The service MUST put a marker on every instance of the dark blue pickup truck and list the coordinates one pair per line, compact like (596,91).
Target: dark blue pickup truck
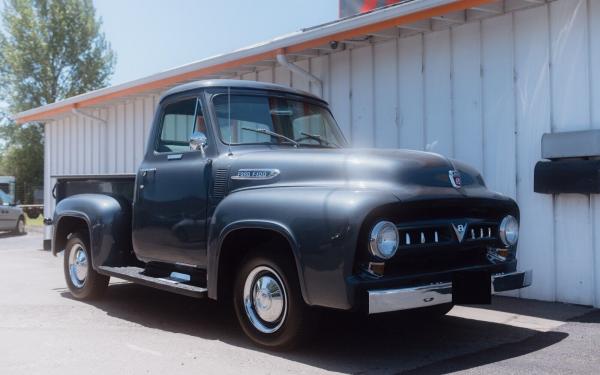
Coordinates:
(248,192)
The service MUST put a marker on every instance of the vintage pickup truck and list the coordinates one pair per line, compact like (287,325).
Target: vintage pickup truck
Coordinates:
(248,193)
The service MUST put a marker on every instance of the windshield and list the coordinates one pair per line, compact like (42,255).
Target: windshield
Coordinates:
(5,199)
(275,120)
(5,193)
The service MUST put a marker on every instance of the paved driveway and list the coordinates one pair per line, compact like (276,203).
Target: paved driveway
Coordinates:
(137,330)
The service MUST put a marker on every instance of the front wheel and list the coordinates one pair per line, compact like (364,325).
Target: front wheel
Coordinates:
(268,302)
(20,227)
(83,281)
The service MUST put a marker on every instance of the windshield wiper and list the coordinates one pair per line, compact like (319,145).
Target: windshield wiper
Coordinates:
(319,139)
(272,134)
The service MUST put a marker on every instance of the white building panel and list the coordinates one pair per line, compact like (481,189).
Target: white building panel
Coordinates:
(411,89)
(498,97)
(466,94)
(438,93)
(362,97)
(385,109)
(533,119)
(594,40)
(483,92)
(341,90)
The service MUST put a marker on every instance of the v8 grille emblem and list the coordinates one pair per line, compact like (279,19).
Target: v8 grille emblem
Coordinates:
(460,231)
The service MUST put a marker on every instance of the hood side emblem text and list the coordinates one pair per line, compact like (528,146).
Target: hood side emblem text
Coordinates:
(455,178)
(460,231)
(256,174)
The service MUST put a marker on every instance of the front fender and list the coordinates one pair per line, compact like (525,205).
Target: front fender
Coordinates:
(321,224)
(108,220)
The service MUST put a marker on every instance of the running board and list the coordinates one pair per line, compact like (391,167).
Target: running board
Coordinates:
(136,275)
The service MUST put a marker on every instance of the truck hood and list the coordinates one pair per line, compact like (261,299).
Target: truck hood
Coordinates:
(405,173)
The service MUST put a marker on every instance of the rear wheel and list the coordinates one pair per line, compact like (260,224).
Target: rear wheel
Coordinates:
(268,302)
(83,281)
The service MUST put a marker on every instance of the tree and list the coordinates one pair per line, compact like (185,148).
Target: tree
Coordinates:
(49,50)
(23,157)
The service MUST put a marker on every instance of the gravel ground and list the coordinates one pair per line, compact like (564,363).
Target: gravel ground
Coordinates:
(138,330)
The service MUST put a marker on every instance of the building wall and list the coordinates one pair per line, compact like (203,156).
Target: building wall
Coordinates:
(483,92)
(76,145)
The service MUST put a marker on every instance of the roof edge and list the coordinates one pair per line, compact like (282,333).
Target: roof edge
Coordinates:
(402,13)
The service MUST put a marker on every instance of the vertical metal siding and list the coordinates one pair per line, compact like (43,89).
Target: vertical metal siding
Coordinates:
(411,93)
(593,21)
(483,92)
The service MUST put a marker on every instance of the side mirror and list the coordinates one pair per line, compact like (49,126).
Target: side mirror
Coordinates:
(198,141)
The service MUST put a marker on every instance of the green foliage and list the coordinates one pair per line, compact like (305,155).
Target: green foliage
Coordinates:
(49,50)
(23,157)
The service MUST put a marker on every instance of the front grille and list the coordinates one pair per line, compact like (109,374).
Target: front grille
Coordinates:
(429,232)
(481,232)
(444,234)
(424,236)
(434,246)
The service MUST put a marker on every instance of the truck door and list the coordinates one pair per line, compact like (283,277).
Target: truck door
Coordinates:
(5,221)
(170,206)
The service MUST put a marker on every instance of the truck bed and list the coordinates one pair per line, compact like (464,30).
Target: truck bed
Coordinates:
(121,185)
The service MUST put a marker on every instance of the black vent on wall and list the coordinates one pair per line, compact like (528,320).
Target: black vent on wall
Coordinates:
(220,185)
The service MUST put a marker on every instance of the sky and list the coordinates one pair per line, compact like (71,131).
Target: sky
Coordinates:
(150,36)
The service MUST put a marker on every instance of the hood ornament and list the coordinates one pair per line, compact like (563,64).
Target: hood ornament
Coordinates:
(460,231)
(455,178)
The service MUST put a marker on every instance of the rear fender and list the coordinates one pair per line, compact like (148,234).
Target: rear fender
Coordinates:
(108,223)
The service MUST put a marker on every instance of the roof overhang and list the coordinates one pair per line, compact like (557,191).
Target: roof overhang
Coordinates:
(318,38)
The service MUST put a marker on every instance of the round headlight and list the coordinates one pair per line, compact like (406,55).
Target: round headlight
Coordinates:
(384,239)
(509,231)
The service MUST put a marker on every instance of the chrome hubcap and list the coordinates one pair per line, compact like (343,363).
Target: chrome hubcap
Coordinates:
(21,226)
(78,266)
(265,301)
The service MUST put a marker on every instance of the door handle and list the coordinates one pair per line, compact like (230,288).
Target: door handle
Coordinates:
(146,171)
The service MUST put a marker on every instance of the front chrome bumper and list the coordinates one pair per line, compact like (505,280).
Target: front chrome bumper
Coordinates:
(436,294)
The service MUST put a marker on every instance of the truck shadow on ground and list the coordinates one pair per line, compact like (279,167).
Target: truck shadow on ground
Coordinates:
(343,342)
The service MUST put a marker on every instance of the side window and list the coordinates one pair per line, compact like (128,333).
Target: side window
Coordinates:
(179,121)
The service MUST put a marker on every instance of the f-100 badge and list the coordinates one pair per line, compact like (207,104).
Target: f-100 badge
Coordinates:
(455,178)
(256,174)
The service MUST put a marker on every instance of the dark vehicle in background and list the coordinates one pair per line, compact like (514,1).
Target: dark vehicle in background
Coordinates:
(12,217)
(249,193)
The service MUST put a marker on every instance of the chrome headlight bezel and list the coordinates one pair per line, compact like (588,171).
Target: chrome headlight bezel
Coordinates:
(509,231)
(376,245)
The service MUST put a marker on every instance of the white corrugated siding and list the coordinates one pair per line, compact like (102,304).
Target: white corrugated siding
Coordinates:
(483,92)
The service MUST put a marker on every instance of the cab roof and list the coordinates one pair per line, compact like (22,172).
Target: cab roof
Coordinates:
(234,83)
